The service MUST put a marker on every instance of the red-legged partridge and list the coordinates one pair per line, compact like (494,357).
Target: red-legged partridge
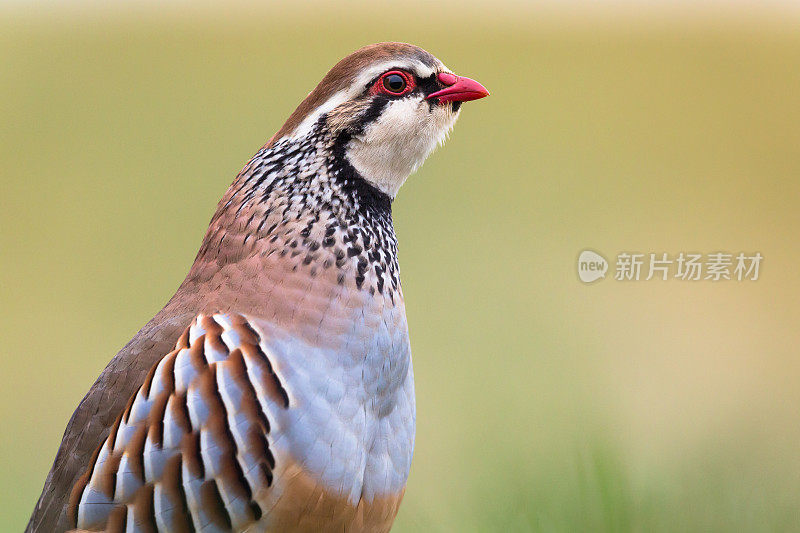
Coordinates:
(274,392)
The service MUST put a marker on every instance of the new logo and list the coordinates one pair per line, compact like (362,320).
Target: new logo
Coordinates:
(591,266)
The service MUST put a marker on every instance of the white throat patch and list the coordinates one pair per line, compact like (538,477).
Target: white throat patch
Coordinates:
(398,142)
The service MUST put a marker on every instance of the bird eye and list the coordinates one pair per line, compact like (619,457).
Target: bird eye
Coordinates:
(394,83)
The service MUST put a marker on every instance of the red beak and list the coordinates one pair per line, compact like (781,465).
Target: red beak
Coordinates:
(459,89)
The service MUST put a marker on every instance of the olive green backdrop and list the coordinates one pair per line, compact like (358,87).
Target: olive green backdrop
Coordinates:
(544,404)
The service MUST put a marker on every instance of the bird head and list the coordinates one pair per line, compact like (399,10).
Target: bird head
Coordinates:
(385,108)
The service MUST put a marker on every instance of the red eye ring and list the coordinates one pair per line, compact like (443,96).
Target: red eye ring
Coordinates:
(394,83)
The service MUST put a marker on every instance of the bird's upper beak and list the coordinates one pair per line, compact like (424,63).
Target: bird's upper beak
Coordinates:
(459,89)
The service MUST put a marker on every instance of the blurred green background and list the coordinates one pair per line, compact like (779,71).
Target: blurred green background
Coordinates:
(544,404)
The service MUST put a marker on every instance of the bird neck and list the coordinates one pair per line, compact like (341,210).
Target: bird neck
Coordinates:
(297,216)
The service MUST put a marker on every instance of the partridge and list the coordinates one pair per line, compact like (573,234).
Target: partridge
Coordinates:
(274,391)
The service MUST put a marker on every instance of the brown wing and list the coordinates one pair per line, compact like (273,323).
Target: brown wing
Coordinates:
(97,412)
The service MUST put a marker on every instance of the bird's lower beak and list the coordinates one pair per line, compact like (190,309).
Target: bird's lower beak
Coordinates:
(459,89)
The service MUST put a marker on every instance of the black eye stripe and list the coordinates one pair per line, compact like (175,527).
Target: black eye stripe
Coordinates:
(429,85)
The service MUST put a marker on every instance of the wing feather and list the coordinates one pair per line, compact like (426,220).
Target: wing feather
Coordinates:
(190,452)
